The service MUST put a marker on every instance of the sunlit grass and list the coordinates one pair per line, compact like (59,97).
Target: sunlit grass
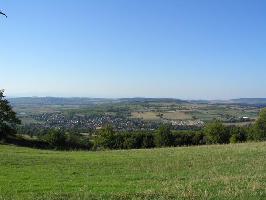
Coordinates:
(206,172)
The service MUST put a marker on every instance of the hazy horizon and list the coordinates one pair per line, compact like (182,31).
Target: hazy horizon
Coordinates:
(183,49)
(221,99)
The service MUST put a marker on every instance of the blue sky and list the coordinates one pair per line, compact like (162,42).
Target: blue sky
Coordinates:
(189,49)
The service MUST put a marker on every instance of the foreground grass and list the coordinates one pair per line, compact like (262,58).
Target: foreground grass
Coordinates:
(206,172)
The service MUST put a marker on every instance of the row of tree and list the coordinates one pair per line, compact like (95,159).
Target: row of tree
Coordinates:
(164,137)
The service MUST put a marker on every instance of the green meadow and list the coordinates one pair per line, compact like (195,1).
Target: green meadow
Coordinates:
(206,172)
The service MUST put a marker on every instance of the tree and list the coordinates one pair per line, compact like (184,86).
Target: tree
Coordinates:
(106,138)
(8,118)
(148,140)
(217,133)
(238,134)
(164,136)
(56,138)
(260,126)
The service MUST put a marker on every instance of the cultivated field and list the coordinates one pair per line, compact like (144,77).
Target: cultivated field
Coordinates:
(206,172)
(170,115)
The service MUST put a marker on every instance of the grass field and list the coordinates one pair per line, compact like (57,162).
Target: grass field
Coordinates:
(206,172)
(146,115)
(177,115)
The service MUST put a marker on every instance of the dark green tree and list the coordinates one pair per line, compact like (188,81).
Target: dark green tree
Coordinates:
(8,118)
(56,138)
(164,137)
(238,134)
(259,132)
(106,138)
(148,140)
(217,133)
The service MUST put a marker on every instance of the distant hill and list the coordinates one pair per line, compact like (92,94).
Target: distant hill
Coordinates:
(256,101)
(38,101)
(244,101)
(151,100)
(56,101)
(199,101)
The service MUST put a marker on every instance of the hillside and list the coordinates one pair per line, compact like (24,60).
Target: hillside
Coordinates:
(41,101)
(251,101)
(206,172)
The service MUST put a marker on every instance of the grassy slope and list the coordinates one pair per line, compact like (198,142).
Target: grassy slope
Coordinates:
(206,172)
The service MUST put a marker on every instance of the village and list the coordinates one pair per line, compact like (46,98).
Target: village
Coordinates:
(59,120)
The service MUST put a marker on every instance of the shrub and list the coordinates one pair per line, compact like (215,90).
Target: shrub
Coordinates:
(56,138)
(238,134)
(187,138)
(164,136)
(216,132)
(77,141)
(106,138)
(234,138)
(259,131)
(148,140)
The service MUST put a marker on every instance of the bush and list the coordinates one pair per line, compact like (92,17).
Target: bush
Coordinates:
(137,140)
(148,141)
(6,130)
(238,134)
(131,142)
(234,138)
(187,138)
(164,137)
(217,133)
(77,141)
(56,138)
(259,131)
(106,138)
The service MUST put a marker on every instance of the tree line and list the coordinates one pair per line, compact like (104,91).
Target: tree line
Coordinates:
(213,133)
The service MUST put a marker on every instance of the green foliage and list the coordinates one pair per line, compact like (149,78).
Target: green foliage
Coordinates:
(234,138)
(56,138)
(147,139)
(217,133)
(164,136)
(8,118)
(109,139)
(259,132)
(106,138)
(188,138)
(77,141)
(238,134)
(137,140)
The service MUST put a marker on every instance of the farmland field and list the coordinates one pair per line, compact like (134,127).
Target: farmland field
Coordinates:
(170,115)
(205,172)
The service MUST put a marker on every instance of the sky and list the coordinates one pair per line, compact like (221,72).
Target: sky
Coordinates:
(187,49)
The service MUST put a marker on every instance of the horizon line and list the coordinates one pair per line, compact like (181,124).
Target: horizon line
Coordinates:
(117,98)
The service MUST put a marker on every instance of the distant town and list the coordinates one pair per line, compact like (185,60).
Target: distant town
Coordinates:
(86,115)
